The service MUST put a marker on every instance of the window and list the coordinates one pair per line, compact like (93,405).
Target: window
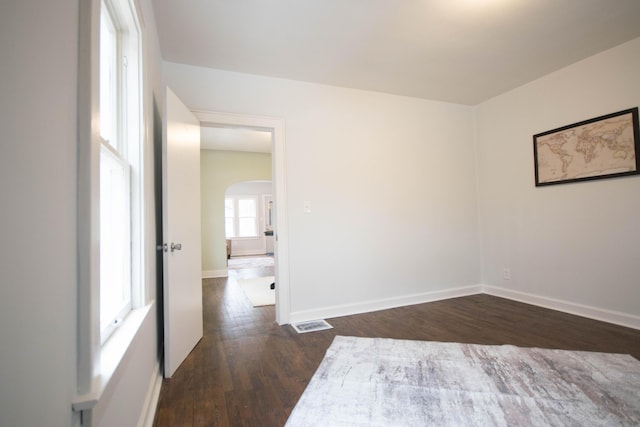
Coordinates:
(241,216)
(247,224)
(120,163)
(110,250)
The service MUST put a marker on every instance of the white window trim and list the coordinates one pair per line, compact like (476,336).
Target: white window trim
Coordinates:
(236,198)
(130,69)
(107,330)
(98,365)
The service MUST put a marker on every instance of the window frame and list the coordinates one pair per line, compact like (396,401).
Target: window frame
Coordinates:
(95,359)
(108,325)
(236,216)
(126,116)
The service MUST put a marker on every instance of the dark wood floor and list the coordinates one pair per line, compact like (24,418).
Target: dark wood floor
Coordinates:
(248,371)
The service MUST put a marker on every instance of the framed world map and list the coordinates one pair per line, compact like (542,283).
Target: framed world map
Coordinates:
(603,147)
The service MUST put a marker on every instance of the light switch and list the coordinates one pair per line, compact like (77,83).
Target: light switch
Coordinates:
(307,207)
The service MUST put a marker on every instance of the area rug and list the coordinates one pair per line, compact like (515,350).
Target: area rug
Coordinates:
(385,382)
(258,290)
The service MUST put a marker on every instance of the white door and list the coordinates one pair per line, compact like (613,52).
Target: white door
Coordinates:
(181,230)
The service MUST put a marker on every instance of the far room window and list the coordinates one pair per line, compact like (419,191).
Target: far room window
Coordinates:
(241,216)
(120,163)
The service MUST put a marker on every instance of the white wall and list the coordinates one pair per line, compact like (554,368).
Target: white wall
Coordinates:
(574,243)
(391,181)
(38,264)
(37,214)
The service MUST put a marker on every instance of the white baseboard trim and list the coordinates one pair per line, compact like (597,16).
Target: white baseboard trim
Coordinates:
(248,252)
(381,304)
(617,318)
(609,316)
(151,400)
(210,274)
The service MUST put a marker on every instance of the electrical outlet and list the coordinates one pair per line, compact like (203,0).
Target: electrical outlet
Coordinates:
(506,274)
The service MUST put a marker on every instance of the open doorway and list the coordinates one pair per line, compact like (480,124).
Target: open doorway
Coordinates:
(249,237)
(275,130)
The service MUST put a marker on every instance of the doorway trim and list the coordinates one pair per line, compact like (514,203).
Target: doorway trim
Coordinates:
(278,165)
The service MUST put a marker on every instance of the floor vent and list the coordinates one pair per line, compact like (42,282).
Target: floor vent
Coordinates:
(311,326)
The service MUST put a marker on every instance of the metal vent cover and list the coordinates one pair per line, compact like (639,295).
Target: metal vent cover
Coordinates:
(311,326)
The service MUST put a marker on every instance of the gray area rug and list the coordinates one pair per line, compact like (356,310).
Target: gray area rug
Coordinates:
(385,382)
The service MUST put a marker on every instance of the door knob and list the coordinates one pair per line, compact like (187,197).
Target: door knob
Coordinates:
(176,246)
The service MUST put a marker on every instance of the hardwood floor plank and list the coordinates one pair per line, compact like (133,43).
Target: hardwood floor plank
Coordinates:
(249,371)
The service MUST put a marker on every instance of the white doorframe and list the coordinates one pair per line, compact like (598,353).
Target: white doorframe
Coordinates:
(276,126)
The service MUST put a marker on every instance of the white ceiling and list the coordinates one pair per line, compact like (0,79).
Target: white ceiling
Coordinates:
(461,51)
(235,139)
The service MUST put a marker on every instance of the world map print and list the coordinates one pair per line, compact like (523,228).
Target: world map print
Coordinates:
(599,147)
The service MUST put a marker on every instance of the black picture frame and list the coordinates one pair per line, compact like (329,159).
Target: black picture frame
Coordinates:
(602,147)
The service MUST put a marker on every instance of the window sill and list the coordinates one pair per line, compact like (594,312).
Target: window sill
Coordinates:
(113,355)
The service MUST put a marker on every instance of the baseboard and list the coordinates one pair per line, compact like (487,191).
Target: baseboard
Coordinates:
(210,274)
(248,252)
(617,318)
(151,400)
(381,304)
